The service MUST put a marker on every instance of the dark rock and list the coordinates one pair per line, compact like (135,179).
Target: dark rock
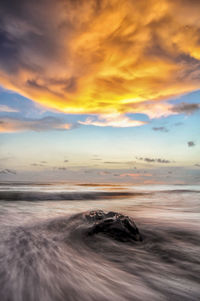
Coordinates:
(113,224)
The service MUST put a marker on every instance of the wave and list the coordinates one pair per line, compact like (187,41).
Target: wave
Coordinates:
(57,261)
(181,191)
(79,195)
(82,195)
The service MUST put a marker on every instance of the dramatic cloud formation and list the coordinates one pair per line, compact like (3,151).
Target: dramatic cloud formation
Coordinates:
(152,160)
(101,57)
(11,125)
(191,143)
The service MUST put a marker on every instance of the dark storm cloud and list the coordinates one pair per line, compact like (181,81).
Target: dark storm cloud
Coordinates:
(25,32)
(186,108)
(161,129)
(153,160)
(191,143)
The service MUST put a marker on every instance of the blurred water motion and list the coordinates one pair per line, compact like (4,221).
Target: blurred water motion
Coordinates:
(46,256)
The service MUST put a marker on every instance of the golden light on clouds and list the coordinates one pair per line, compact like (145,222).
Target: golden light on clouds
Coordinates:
(104,57)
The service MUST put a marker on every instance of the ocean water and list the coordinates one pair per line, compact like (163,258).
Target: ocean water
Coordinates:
(45,254)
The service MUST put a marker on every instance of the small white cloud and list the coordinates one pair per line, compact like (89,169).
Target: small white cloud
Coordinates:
(7,109)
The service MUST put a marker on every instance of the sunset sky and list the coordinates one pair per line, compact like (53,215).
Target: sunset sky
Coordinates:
(103,91)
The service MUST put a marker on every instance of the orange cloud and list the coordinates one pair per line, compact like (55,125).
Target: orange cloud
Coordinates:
(102,57)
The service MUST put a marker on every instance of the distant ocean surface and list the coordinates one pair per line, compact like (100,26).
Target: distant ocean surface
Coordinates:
(45,256)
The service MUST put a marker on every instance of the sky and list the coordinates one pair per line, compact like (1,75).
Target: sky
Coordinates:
(100,91)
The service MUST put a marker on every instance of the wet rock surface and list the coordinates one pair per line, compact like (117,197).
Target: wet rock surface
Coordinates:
(118,226)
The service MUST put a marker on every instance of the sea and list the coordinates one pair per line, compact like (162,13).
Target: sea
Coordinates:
(45,254)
